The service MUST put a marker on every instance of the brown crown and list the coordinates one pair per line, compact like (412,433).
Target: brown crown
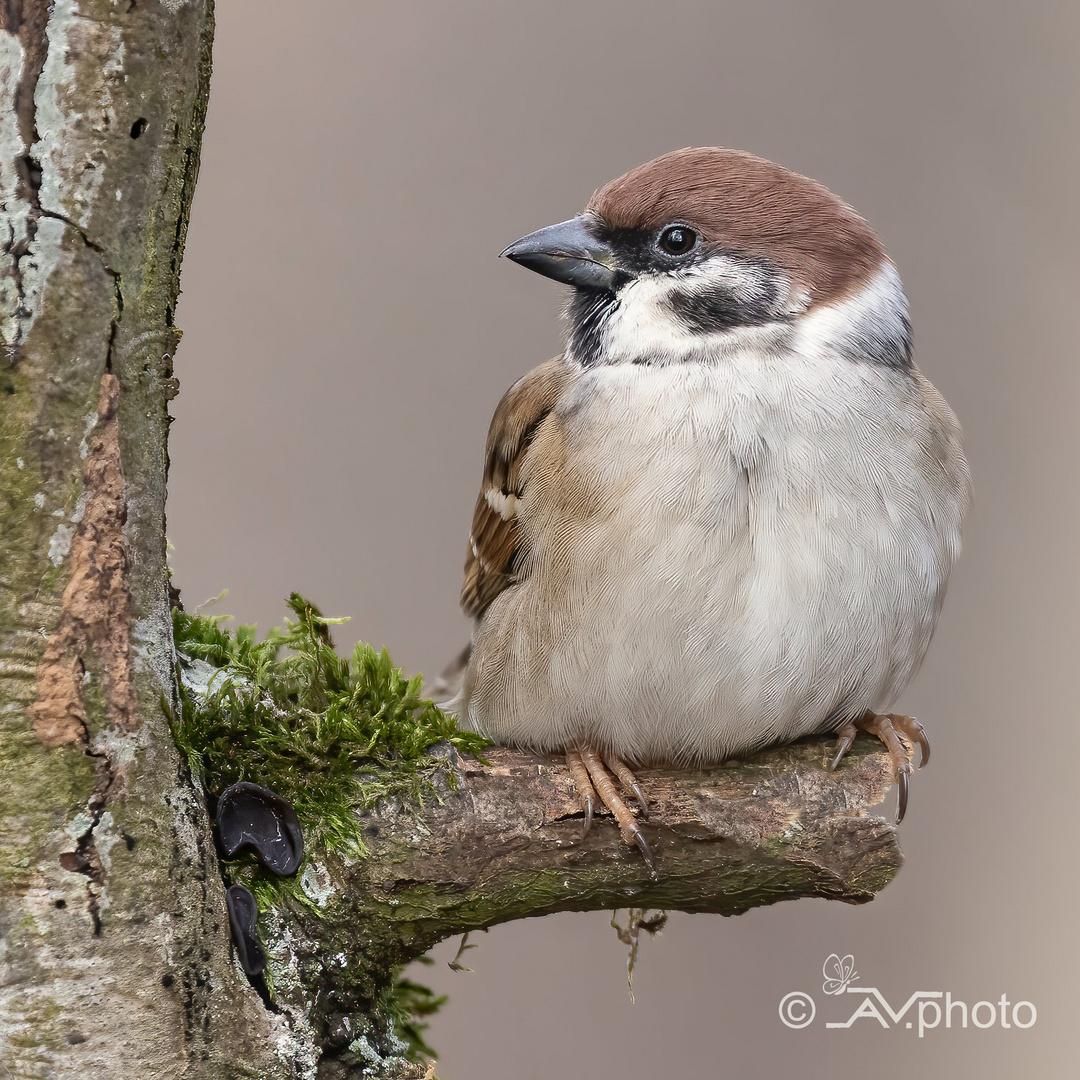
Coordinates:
(752,207)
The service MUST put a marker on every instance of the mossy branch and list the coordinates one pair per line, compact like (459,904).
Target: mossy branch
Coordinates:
(418,839)
(504,842)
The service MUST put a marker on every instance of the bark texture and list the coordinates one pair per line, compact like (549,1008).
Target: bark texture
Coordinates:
(116,959)
(505,843)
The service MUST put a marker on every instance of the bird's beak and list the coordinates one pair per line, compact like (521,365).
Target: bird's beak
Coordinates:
(567,252)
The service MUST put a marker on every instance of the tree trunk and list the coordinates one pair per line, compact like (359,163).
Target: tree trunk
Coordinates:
(116,957)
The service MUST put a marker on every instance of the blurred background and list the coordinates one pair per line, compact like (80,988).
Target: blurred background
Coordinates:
(349,329)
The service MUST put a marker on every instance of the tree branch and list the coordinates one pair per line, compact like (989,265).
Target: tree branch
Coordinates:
(505,843)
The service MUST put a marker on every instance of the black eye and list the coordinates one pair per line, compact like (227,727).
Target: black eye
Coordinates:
(677,239)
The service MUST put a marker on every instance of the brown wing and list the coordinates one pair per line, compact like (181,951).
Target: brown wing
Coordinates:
(494,542)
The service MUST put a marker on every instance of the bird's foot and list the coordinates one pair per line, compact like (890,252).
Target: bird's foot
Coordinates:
(590,772)
(889,729)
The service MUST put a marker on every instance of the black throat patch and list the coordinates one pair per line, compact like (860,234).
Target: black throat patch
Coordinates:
(587,312)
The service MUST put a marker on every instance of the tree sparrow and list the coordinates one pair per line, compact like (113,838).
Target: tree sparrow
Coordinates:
(725,517)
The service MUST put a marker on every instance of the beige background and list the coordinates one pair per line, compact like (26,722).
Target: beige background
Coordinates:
(349,330)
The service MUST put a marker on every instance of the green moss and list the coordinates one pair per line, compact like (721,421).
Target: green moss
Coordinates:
(333,735)
(409,1006)
(20,480)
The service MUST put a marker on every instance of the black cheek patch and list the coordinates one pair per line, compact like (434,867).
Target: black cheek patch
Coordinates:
(714,308)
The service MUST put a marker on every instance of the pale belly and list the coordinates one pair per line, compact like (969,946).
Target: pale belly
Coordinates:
(750,567)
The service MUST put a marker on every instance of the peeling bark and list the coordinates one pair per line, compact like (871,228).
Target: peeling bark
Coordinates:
(116,959)
(95,610)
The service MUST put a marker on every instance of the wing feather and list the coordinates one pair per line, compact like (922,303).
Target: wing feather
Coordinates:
(495,540)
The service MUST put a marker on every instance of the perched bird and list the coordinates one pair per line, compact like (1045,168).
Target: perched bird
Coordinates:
(725,516)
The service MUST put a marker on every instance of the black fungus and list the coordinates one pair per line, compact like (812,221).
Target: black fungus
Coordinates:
(243,915)
(250,816)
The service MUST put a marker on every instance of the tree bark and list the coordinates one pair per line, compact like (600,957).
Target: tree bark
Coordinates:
(116,957)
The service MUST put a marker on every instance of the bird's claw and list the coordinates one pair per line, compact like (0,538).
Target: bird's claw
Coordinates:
(629,781)
(888,728)
(646,851)
(917,734)
(844,738)
(587,805)
(583,786)
(592,780)
(903,782)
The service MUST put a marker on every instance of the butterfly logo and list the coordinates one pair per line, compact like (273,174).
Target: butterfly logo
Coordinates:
(838,973)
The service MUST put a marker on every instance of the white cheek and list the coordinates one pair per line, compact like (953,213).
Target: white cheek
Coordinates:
(645,324)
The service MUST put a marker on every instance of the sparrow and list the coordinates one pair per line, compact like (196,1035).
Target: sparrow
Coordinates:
(725,517)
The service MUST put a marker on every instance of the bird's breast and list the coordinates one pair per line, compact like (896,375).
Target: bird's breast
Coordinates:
(721,556)
(710,467)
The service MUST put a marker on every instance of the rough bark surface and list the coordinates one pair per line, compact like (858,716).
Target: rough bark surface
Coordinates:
(505,843)
(116,959)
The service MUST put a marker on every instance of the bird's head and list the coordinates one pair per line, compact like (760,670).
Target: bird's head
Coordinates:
(706,249)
